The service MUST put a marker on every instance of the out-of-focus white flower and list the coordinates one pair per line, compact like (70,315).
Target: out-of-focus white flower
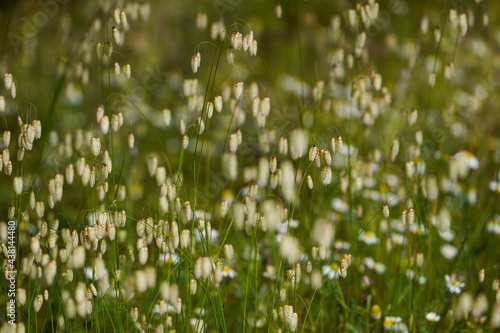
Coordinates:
(449,251)
(228,272)
(368,237)
(453,285)
(332,271)
(432,317)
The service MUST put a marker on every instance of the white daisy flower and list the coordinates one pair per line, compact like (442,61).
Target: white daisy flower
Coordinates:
(228,272)
(340,205)
(368,237)
(332,271)
(432,317)
(453,285)
(342,245)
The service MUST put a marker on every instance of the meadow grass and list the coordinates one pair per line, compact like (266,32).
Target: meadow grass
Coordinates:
(232,166)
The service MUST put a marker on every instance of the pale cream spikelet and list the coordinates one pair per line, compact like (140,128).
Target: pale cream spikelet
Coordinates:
(37,303)
(385,210)
(108,49)
(326,157)
(99,113)
(2,104)
(410,216)
(171,192)
(274,180)
(339,144)
(394,149)
(223,208)
(50,272)
(437,34)
(116,15)
(273,164)
(404,217)
(127,71)
(11,212)
(245,43)
(239,136)
(117,36)
(104,123)
(265,106)
(130,140)
(134,313)
(229,251)
(40,209)
(152,164)
(293,323)
(5,156)
(186,212)
(412,117)
(377,81)
(298,143)
(310,183)
(185,238)
(237,40)
(95,145)
(200,125)
(6,138)
(193,286)
(160,175)
(218,103)
(230,166)
(185,142)
(463,24)
(37,125)
(326,175)
(93,176)
(13,90)
(195,62)
(486,19)
(21,296)
(313,151)
(175,238)
(253,48)
(420,259)
(410,169)
(431,79)
(111,230)
(99,49)
(198,268)
(143,255)
(201,20)
(182,126)
(323,232)
(238,89)
(263,171)
(230,55)
(233,143)
(289,248)
(163,204)
(288,180)
(206,269)
(116,122)
(124,20)
(18,185)
(167,116)
(32,199)
(481,275)
(210,109)
(238,214)
(8,79)
(70,173)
